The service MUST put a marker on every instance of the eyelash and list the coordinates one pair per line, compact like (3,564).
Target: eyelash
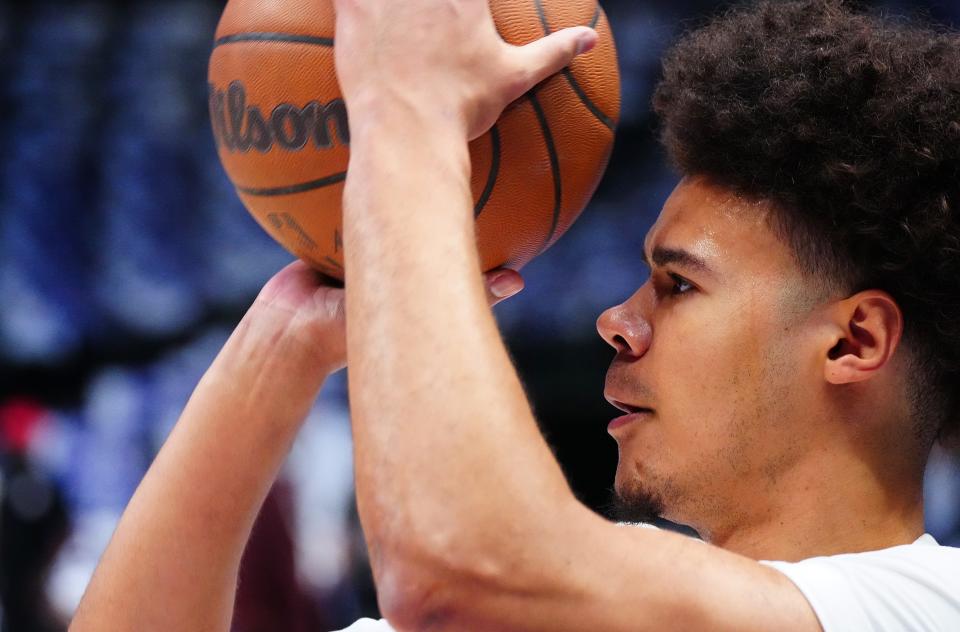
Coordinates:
(676,280)
(680,281)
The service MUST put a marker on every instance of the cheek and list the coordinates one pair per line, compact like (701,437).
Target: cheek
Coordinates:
(723,392)
(711,377)
(751,407)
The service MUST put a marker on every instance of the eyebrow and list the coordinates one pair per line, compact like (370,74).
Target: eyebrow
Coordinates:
(677,256)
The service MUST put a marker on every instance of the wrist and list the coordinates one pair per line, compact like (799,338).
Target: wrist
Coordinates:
(398,150)
(379,114)
(260,385)
(390,135)
(284,347)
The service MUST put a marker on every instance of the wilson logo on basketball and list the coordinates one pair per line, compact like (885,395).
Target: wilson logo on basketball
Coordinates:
(243,128)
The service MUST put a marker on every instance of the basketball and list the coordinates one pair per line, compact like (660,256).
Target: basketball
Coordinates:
(282,133)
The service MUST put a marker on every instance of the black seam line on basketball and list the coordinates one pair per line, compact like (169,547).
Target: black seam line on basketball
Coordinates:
(275,37)
(494,172)
(543,16)
(608,122)
(333,262)
(546,24)
(554,167)
(295,188)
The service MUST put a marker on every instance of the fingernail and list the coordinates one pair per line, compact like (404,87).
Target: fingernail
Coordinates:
(505,286)
(586,43)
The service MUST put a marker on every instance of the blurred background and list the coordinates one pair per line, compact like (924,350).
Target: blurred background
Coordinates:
(126,259)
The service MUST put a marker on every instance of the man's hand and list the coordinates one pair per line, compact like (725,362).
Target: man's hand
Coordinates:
(440,59)
(312,307)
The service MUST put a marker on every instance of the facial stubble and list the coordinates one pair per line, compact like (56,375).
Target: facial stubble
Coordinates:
(635,503)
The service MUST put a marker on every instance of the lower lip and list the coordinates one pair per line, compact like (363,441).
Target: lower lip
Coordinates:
(620,422)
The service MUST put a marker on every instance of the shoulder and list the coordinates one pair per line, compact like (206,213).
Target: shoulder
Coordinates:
(911,587)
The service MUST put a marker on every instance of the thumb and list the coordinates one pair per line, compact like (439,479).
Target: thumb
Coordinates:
(551,54)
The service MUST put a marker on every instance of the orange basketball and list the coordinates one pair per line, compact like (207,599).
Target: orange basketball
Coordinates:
(281,128)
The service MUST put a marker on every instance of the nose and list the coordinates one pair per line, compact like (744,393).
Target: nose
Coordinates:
(625,329)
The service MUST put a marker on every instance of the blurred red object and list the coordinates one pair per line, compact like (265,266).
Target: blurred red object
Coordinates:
(19,420)
(270,596)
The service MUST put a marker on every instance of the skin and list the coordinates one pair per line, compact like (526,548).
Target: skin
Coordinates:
(468,519)
(173,561)
(735,362)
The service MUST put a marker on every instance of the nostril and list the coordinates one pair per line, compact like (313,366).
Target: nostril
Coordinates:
(621,342)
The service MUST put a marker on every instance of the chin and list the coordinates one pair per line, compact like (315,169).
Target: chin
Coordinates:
(634,499)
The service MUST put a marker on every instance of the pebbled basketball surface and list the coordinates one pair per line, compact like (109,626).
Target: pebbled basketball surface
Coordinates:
(282,132)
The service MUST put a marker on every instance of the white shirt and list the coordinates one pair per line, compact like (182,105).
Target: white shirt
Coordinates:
(914,588)
(910,588)
(369,625)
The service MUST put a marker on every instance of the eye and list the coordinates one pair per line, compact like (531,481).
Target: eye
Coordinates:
(680,286)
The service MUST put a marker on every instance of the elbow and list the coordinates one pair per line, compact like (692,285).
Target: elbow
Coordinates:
(439,589)
(438,576)
(412,600)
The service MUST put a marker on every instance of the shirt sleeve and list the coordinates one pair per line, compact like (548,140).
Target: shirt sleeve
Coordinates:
(369,625)
(908,588)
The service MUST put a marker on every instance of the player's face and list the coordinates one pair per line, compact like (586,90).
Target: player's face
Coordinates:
(710,357)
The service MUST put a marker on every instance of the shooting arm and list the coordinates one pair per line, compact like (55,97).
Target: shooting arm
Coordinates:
(469,520)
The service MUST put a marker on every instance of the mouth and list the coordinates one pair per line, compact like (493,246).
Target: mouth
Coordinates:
(628,408)
(633,413)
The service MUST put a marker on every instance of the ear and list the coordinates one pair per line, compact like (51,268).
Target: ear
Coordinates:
(867,330)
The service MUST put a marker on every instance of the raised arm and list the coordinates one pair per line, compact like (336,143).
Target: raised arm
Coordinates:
(469,520)
(173,561)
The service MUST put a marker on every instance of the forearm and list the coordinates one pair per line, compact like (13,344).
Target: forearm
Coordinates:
(173,561)
(448,453)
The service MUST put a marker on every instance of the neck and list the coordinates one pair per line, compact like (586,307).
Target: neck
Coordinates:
(818,510)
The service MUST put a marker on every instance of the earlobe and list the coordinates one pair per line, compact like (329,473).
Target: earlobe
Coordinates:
(869,329)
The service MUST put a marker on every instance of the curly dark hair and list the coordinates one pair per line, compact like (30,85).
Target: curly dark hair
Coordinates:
(849,122)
